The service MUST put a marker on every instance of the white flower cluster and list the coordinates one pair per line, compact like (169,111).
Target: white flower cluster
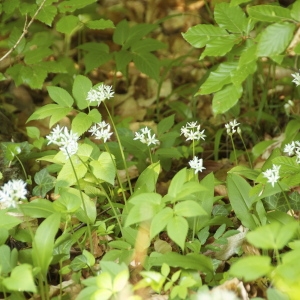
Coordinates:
(296,79)
(197,164)
(101,93)
(217,294)
(293,149)
(101,131)
(272,174)
(191,131)
(145,137)
(12,192)
(65,139)
(232,127)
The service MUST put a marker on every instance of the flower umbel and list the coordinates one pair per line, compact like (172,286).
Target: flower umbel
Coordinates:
(100,93)
(65,139)
(12,192)
(146,137)
(197,164)
(191,131)
(101,131)
(232,127)
(296,79)
(272,174)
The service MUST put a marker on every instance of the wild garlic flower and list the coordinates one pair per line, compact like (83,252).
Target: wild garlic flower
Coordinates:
(272,174)
(293,149)
(12,192)
(101,131)
(146,137)
(191,131)
(100,93)
(66,140)
(288,106)
(232,127)
(296,79)
(197,164)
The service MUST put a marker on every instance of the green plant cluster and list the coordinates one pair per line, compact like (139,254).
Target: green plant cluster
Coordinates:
(84,198)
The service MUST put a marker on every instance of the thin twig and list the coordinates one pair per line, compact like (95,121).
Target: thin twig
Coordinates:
(25,30)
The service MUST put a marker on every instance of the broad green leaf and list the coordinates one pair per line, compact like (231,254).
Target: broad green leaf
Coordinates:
(189,208)
(231,18)
(47,14)
(123,58)
(226,98)
(21,279)
(100,24)
(218,78)
(269,13)
(14,37)
(295,11)
(7,221)
(147,63)
(238,2)
(67,24)
(239,75)
(142,212)
(146,197)
(148,178)
(241,202)
(32,75)
(57,112)
(220,46)
(95,115)
(89,214)
(288,164)
(66,176)
(72,5)
(5,260)
(121,32)
(165,124)
(60,96)
(198,36)
(45,182)
(160,221)
(80,89)
(10,6)
(177,182)
(147,45)
(68,202)
(81,123)
(36,55)
(272,236)
(177,229)
(43,243)
(251,267)
(191,261)
(38,208)
(275,39)
(104,168)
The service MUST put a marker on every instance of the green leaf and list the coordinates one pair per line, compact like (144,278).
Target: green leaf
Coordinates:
(231,18)
(147,63)
(219,46)
(43,243)
(14,37)
(177,182)
(67,24)
(36,55)
(269,13)
(7,221)
(218,78)
(177,229)
(226,98)
(45,182)
(104,168)
(100,24)
(272,236)
(95,115)
(57,112)
(10,6)
(275,39)
(148,178)
(191,261)
(60,96)
(123,58)
(147,45)
(80,89)
(5,260)
(121,32)
(21,279)
(189,208)
(81,123)
(251,267)
(295,11)
(198,36)
(241,202)
(72,5)
(68,202)
(160,221)
(165,124)
(38,208)
(239,75)
(47,14)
